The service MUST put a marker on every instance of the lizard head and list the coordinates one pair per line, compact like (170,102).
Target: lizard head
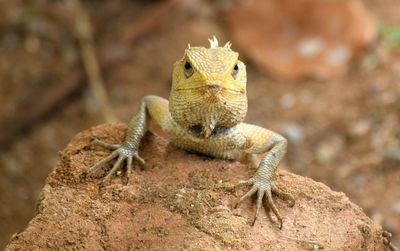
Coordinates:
(208,89)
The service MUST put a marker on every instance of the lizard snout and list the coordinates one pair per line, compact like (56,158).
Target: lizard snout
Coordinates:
(214,88)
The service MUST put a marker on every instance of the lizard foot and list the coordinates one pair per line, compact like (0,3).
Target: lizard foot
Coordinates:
(387,238)
(264,189)
(123,152)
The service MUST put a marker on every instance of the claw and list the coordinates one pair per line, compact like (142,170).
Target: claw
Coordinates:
(123,152)
(265,190)
(140,159)
(129,167)
(260,195)
(271,205)
(387,238)
(268,211)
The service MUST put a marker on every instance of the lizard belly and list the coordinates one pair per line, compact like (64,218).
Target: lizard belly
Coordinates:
(226,145)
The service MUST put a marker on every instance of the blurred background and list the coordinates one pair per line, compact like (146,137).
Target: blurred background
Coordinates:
(326,74)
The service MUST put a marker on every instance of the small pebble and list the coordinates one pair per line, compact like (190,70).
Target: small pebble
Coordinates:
(361,128)
(293,132)
(310,47)
(287,100)
(338,55)
(329,150)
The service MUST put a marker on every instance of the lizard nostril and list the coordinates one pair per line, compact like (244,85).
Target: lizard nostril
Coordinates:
(213,86)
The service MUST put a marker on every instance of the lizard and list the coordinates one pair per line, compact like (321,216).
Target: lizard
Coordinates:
(204,114)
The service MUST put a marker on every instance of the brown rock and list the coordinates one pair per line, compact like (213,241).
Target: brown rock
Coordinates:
(301,38)
(182,201)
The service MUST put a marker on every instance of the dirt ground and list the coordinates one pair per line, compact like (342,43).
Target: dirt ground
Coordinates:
(343,132)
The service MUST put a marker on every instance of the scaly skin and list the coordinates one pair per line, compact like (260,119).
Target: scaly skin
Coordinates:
(205,114)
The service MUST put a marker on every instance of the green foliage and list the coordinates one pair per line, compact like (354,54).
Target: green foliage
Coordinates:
(390,35)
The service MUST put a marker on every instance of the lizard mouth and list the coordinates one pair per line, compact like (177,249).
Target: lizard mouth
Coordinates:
(213,92)
(212,88)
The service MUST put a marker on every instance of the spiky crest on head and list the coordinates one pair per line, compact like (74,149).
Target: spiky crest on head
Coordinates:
(228,45)
(213,42)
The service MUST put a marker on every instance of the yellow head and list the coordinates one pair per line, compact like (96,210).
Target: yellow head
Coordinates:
(208,89)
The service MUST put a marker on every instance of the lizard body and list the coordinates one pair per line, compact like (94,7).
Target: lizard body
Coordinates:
(205,114)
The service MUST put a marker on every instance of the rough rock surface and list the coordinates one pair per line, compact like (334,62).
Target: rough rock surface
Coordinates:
(182,201)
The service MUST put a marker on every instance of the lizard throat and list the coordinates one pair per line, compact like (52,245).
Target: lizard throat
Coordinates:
(205,115)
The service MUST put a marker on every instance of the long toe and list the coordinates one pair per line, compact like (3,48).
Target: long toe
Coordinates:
(101,162)
(116,166)
(139,159)
(260,195)
(284,195)
(272,206)
(247,195)
(128,167)
(105,144)
(245,182)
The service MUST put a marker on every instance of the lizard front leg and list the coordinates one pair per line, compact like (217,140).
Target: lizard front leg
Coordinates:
(263,181)
(154,106)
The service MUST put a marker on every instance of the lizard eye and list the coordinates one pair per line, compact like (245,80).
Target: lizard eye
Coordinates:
(188,70)
(235,71)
